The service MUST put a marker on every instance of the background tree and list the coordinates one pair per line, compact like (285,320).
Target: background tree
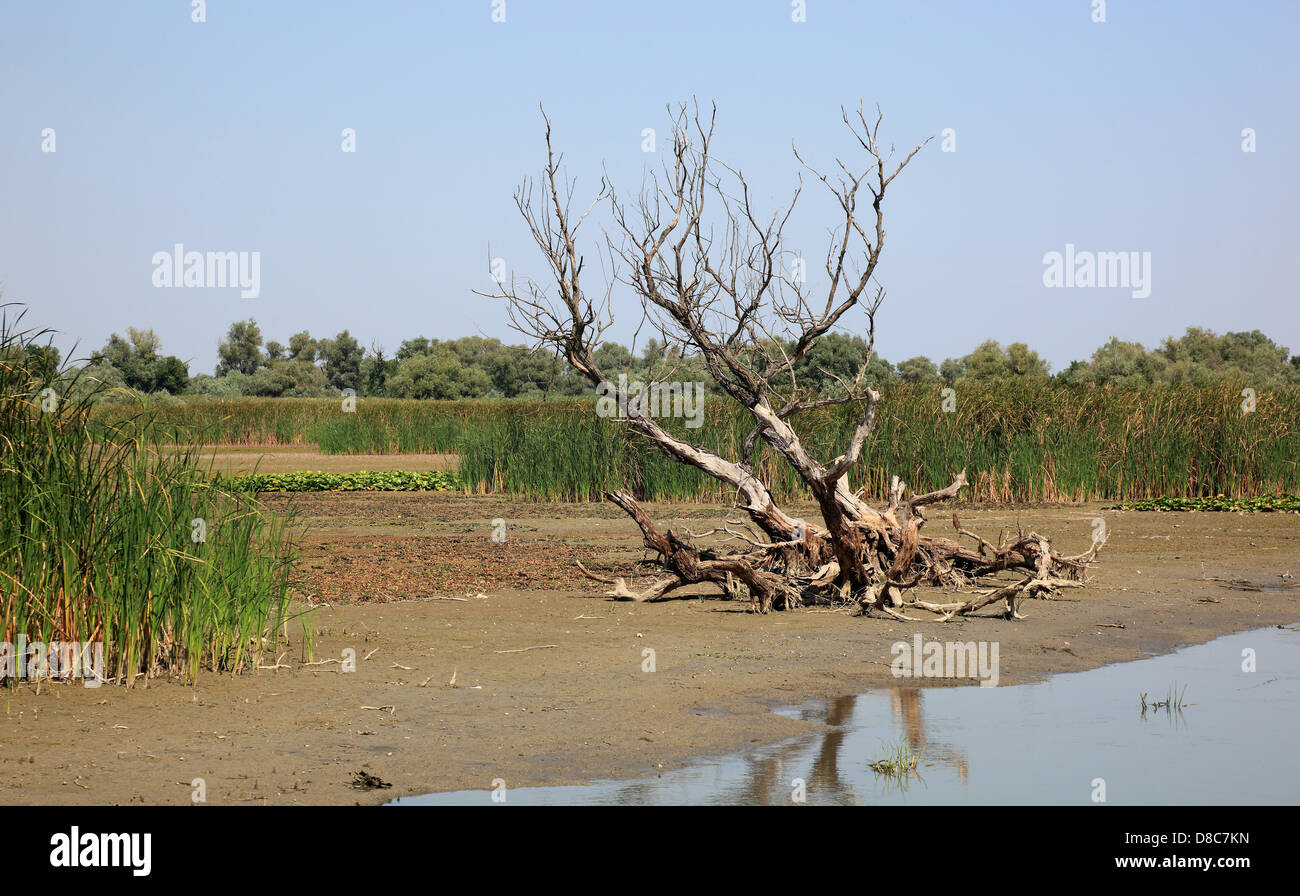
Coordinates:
(952,369)
(509,372)
(835,359)
(342,356)
(376,370)
(302,347)
(1126,365)
(43,362)
(1199,357)
(615,359)
(138,364)
(172,375)
(412,347)
(438,374)
(918,370)
(230,385)
(1078,374)
(241,350)
(488,368)
(286,379)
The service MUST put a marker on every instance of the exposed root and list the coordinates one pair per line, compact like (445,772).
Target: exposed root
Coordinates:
(620,591)
(897,615)
(889,554)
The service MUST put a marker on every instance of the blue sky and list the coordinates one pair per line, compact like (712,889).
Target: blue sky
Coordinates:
(225,135)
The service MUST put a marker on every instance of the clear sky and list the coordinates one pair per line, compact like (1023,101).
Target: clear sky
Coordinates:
(225,135)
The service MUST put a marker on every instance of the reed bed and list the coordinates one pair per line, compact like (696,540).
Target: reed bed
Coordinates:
(108,538)
(1018,443)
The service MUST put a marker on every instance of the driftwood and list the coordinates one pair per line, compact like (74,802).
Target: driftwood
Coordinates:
(718,284)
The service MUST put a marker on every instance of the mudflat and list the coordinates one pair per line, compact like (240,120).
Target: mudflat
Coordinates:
(479,660)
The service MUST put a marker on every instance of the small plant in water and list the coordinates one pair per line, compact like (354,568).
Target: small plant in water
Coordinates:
(899,763)
(1174,701)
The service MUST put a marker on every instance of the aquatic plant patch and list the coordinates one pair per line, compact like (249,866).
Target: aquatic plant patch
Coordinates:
(371,480)
(1262,504)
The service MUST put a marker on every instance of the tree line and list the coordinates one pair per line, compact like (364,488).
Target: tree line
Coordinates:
(481,367)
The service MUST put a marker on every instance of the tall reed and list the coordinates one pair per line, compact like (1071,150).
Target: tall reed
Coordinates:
(106,537)
(1017,442)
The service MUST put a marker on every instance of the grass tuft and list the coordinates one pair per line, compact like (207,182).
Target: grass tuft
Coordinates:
(899,763)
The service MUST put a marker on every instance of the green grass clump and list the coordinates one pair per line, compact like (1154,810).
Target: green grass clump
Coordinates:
(899,763)
(106,538)
(380,481)
(1175,701)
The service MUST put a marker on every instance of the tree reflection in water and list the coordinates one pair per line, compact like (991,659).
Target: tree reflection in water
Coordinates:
(832,773)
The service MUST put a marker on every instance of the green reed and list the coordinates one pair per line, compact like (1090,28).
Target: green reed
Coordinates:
(1017,442)
(106,536)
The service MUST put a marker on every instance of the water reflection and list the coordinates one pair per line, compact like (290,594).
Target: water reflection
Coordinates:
(1030,744)
(906,705)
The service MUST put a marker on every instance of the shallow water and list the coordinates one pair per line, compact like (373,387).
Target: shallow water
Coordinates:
(1047,743)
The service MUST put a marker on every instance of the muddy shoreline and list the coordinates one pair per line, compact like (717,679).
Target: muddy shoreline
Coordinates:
(549,681)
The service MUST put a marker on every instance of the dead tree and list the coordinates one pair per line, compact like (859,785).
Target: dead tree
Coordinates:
(710,272)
